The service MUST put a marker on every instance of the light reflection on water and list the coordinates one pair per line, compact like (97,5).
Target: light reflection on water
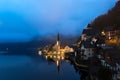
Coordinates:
(34,68)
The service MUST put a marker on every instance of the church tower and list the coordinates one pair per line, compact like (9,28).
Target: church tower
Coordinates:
(58,39)
(58,42)
(57,45)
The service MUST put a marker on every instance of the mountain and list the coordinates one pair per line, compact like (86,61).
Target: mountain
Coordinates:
(111,18)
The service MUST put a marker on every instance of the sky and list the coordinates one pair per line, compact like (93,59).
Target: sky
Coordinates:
(21,20)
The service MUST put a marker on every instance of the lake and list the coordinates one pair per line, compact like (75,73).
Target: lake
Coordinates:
(24,67)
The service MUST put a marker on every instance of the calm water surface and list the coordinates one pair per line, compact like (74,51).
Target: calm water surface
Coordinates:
(23,67)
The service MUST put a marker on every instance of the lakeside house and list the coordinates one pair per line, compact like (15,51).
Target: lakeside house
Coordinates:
(112,36)
(89,33)
(87,49)
(88,42)
(111,60)
(106,40)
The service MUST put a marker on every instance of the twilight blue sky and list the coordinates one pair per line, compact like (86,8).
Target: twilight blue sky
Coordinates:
(20,20)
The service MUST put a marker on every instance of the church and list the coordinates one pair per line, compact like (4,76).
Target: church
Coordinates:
(57,47)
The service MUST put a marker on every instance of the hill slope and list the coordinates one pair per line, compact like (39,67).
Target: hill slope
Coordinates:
(112,18)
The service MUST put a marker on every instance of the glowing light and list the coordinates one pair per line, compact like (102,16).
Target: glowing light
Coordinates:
(94,39)
(46,57)
(54,56)
(57,62)
(58,57)
(62,58)
(103,33)
(54,52)
(57,43)
(50,56)
(109,38)
(58,52)
(40,52)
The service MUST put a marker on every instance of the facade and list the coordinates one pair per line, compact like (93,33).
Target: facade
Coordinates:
(89,33)
(111,34)
(88,42)
(68,49)
(112,37)
(87,49)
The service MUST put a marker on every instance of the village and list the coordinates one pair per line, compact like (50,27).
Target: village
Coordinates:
(101,47)
(94,49)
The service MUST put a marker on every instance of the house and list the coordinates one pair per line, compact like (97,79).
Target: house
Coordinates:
(89,33)
(112,36)
(88,42)
(87,49)
(68,49)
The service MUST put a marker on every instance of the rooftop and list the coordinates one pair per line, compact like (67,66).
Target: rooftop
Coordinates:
(91,32)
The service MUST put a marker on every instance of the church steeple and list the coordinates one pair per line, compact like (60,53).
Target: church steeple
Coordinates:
(57,45)
(58,37)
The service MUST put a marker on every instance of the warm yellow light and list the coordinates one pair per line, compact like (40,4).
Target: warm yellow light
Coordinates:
(58,57)
(62,58)
(103,33)
(50,56)
(62,52)
(54,52)
(54,56)
(58,52)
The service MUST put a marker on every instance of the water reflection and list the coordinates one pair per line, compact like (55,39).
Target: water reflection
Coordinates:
(84,74)
(42,67)
(57,58)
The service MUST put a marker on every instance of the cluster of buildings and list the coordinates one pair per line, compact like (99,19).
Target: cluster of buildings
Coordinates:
(112,37)
(56,52)
(57,49)
(92,38)
(108,40)
(88,42)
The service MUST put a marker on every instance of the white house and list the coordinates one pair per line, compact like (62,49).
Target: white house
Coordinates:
(87,49)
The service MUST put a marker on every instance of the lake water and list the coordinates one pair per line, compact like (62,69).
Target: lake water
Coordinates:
(24,67)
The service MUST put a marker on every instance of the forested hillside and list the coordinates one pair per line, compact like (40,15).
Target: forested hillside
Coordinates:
(112,18)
